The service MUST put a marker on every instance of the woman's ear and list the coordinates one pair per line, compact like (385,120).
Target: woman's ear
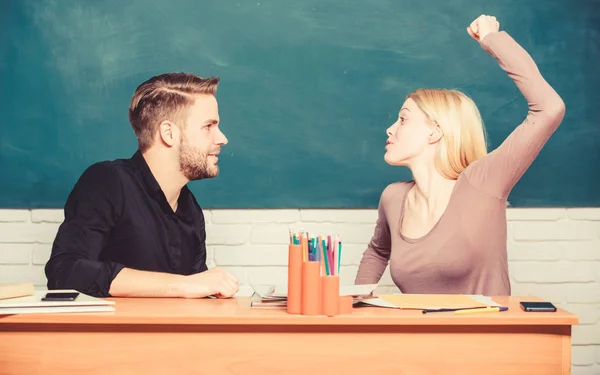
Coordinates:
(436,133)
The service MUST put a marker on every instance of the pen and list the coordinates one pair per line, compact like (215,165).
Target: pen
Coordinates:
(447,309)
(450,309)
(483,310)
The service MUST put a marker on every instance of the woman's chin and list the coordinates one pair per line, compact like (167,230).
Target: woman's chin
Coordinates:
(393,161)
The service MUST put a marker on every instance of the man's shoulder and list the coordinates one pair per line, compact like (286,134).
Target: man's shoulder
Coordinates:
(100,183)
(105,175)
(108,169)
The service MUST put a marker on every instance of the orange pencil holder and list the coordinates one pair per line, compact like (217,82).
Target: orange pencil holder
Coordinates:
(309,293)
(330,295)
(311,288)
(294,292)
(345,305)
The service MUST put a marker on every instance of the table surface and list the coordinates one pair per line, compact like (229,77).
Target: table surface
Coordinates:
(237,311)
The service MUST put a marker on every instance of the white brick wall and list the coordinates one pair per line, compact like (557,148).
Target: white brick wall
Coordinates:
(553,253)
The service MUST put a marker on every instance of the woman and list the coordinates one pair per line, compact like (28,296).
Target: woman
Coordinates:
(445,231)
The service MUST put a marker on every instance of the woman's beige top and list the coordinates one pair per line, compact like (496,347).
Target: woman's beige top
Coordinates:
(465,252)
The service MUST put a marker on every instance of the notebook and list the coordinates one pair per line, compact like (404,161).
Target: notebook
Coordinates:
(34,304)
(13,290)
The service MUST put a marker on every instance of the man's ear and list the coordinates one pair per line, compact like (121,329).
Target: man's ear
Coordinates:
(167,133)
(436,133)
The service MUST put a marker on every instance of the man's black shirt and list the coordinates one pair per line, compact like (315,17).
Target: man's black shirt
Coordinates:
(117,216)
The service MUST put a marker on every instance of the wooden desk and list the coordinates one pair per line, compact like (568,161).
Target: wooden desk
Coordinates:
(164,336)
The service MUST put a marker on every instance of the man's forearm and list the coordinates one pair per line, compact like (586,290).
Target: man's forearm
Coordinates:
(134,283)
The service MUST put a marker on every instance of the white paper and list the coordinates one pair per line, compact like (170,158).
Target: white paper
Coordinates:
(36,301)
(55,310)
(280,291)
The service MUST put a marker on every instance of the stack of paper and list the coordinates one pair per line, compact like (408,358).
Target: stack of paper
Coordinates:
(268,302)
(275,296)
(430,301)
(34,304)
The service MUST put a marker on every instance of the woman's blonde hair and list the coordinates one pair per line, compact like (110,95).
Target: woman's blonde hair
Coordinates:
(464,139)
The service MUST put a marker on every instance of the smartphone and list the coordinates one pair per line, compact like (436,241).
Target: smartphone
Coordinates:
(538,306)
(60,296)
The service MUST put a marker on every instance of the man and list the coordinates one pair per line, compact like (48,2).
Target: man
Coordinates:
(132,228)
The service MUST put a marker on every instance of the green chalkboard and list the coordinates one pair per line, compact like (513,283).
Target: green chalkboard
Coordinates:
(308,89)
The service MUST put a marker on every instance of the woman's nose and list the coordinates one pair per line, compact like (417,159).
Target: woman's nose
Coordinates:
(391,130)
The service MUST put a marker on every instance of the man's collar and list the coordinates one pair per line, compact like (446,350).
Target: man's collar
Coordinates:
(186,207)
(147,176)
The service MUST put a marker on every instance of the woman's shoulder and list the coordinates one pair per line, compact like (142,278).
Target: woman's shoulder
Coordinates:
(396,190)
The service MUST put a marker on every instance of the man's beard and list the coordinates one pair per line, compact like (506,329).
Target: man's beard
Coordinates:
(193,162)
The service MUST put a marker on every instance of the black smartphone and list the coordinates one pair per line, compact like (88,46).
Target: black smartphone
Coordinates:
(60,296)
(538,306)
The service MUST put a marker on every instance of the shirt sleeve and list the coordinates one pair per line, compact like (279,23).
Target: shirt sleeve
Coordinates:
(199,264)
(200,257)
(91,212)
(377,255)
(499,171)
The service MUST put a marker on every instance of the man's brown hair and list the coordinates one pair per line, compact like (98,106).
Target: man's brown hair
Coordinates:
(165,97)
